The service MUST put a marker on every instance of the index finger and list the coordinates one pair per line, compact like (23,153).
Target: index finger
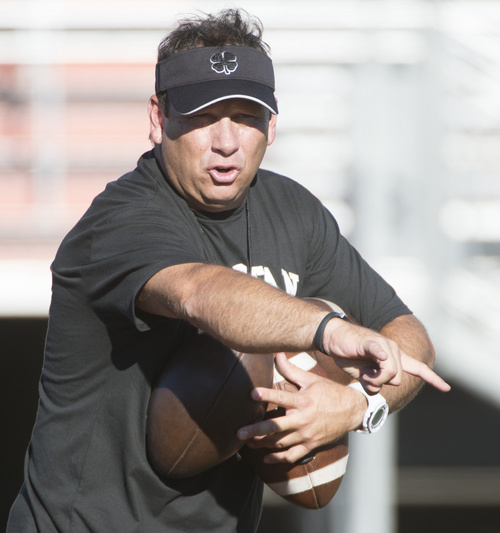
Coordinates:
(417,368)
(277,396)
(269,426)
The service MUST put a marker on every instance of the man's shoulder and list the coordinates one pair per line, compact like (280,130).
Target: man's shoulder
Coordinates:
(143,178)
(276,187)
(273,180)
(137,196)
(142,187)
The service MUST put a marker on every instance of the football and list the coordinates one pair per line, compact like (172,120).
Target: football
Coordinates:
(199,402)
(312,482)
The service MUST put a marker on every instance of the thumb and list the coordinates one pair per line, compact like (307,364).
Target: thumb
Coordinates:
(296,368)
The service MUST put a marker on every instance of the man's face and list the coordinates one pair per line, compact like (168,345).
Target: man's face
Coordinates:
(213,155)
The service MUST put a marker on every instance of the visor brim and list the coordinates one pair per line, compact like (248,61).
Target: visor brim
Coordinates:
(191,98)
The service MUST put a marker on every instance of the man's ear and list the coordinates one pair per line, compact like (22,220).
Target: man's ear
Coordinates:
(156,118)
(271,130)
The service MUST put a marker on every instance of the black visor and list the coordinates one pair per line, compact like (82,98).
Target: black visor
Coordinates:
(200,77)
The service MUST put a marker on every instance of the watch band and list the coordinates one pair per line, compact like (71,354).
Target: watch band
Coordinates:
(318,337)
(376,412)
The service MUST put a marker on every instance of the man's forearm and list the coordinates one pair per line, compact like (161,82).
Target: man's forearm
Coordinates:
(243,312)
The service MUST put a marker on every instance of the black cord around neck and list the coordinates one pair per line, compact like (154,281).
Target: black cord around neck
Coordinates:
(249,237)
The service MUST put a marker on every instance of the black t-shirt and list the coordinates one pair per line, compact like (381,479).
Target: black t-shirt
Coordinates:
(87,466)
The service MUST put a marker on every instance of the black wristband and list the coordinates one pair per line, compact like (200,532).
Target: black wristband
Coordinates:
(318,337)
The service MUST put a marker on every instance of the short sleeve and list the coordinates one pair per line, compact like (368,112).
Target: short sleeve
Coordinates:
(126,251)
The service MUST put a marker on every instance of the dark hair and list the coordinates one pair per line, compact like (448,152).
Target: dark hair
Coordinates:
(229,27)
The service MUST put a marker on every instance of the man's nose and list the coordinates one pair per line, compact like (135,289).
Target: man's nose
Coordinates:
(225,139)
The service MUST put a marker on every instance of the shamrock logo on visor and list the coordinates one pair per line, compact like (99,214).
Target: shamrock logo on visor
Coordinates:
(224,62)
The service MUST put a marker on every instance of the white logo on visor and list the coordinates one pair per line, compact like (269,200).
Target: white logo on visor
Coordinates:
(224,62)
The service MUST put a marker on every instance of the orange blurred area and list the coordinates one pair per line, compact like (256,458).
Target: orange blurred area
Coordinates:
(63,139)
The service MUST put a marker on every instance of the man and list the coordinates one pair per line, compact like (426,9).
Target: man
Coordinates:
(168,249)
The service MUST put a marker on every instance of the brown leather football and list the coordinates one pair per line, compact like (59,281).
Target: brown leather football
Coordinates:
(312,482)
(198,404)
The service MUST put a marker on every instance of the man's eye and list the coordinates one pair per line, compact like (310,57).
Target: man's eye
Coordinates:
(246,117)
(201,118)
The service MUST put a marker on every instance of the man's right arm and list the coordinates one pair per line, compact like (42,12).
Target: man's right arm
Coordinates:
(251,316)
(241,311)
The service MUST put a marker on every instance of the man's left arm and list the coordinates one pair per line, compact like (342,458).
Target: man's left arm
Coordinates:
(410,335)
(322,411)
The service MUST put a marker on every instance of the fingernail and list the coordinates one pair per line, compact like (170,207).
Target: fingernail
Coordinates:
(255,394)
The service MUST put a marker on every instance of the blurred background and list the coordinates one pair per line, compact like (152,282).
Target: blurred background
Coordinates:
(389,112)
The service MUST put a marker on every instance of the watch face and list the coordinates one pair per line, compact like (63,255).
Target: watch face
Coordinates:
(377,417)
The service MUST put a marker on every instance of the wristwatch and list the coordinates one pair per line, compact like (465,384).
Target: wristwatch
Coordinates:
(376,413)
